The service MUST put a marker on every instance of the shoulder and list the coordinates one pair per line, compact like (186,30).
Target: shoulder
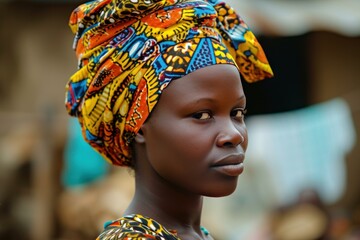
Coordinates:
(135,227)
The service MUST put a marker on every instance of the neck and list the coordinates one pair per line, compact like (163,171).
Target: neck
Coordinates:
(170,206)
(159,198)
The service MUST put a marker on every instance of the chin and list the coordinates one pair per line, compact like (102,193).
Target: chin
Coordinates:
(221,191)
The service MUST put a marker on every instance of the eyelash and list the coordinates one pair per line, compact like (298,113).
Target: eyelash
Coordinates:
(199,115)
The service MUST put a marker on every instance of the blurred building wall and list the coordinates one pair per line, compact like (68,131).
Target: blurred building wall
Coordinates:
(36,59)
(36,56)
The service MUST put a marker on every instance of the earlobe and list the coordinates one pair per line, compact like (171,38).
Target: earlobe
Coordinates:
(139,138)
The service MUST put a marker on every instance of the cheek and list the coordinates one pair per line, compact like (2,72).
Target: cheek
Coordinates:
(244,133)
(183,147)
(178,141)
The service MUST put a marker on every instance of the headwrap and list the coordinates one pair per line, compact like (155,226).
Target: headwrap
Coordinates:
(130,50)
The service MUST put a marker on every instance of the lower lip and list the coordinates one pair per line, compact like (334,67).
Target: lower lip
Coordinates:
(230,170)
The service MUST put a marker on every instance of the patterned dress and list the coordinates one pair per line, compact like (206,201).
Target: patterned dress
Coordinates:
(138,227)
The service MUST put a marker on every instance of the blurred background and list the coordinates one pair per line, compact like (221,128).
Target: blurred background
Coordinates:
(301,178)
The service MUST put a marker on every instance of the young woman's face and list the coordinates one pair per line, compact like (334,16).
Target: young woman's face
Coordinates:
(196,136)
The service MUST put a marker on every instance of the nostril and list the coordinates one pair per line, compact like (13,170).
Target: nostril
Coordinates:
(230,134)
(230,140)
(228,144)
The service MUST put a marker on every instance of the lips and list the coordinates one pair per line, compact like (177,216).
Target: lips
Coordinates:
(231,165)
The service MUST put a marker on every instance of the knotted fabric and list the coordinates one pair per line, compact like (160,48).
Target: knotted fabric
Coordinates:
(130,50)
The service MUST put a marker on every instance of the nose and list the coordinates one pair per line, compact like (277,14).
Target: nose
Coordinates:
(231,134)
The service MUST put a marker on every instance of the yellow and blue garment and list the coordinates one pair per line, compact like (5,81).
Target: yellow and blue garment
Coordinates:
(130,50)
(136,226)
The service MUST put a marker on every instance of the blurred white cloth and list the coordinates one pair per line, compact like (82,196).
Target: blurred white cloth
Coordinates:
(303,149)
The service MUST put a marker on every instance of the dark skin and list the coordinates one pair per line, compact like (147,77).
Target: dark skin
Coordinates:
(193,145)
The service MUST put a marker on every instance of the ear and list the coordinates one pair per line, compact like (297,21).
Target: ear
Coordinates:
(140,138)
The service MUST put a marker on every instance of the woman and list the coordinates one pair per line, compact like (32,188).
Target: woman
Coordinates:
(186,138)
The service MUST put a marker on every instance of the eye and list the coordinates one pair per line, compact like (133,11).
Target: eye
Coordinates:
(202,115)
(238,113)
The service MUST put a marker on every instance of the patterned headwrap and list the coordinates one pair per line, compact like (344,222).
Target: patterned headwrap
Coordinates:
(130,50)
